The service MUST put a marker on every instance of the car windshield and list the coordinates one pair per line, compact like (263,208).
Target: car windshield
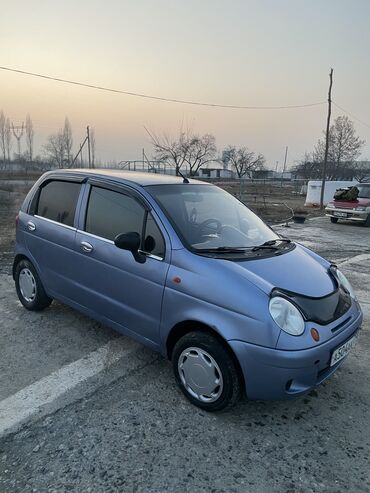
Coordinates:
(206,217)
(363,192)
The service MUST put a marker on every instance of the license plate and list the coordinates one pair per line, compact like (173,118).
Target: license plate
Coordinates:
(340,214)
(342,351)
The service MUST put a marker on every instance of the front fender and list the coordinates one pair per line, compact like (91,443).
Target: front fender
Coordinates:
(231,325)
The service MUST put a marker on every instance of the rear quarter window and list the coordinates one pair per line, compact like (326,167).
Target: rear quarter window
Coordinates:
(57,201)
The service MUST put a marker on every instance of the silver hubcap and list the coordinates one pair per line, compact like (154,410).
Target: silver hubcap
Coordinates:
(27,285)
(200,374)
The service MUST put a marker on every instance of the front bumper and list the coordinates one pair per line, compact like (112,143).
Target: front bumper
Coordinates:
(351,214)
(272,374)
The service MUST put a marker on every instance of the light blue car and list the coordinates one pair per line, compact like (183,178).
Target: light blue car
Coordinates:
(185,268)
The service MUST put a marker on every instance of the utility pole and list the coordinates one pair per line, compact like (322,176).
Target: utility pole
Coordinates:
(326,142)
(18,134)
(286,155)
(285,158)
(79,152)
(88,144)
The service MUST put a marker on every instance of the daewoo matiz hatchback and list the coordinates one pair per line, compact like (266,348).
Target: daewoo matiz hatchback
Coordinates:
(188,270)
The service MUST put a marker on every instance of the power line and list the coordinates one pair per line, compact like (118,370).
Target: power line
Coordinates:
(351,114)
(157,98)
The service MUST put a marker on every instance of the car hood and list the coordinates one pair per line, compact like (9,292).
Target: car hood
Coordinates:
(299,271)
(352,204)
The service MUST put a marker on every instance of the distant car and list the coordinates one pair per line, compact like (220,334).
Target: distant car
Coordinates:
(185,268)
(353,210)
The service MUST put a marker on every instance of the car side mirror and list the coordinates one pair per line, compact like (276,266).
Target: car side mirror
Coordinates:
(131,242)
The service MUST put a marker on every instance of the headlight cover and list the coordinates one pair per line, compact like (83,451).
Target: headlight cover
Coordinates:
(345,283)
(286,315)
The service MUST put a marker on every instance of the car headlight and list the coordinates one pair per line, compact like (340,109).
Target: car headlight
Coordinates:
(345,283)
(287,316)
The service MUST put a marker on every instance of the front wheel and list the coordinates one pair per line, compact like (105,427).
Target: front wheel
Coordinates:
(206,372)
(367,222)
(30,291)
(334,219)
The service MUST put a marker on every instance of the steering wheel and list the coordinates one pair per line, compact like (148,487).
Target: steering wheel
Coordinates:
(206,224)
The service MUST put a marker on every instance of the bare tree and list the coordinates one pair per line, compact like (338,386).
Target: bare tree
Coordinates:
(243,160)
(8,138)
(308,168)
(170,151)
(92,146)
(188,148)
(29,138)
(55,149)
(3,135)
(361,171)
(344,148)
(200,150)
(68,141)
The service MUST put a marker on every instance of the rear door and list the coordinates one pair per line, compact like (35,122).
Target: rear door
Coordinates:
(111,283)
(50,233)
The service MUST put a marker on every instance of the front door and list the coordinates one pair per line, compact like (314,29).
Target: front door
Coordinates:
(111,283)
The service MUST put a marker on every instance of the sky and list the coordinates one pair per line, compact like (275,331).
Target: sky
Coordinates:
(233,52)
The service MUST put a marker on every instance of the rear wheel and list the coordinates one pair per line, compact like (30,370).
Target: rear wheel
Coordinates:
(334,219)
(30,291)
(206,372)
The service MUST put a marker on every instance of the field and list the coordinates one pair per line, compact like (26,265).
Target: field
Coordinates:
(274,201)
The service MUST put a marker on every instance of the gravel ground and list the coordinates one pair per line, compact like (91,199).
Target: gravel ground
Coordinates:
(132,430)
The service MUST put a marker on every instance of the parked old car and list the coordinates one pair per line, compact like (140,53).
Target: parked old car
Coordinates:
(357,210)
(185,268)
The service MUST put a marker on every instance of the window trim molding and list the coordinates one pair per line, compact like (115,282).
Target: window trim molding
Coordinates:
(110,242)
(72,228)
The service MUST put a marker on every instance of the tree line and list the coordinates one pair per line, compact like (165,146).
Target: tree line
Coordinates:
(194,151)
(57,151)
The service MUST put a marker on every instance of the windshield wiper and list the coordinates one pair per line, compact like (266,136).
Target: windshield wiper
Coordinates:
(222,249)
(270,244)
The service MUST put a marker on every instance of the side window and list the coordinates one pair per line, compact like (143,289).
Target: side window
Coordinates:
(58,200)
(153,239)
(111,213)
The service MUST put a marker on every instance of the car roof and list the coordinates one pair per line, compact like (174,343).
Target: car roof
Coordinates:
(137,177)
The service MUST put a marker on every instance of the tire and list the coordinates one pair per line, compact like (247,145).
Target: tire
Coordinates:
(212,368)
(367,222)
(30,291)
(334,219)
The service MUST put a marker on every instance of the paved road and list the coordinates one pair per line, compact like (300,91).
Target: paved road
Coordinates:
(82,409)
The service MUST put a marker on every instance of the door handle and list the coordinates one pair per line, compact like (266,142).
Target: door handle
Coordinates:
(86,247)
(31,226)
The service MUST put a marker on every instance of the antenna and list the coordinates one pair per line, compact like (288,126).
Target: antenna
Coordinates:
(184,179)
